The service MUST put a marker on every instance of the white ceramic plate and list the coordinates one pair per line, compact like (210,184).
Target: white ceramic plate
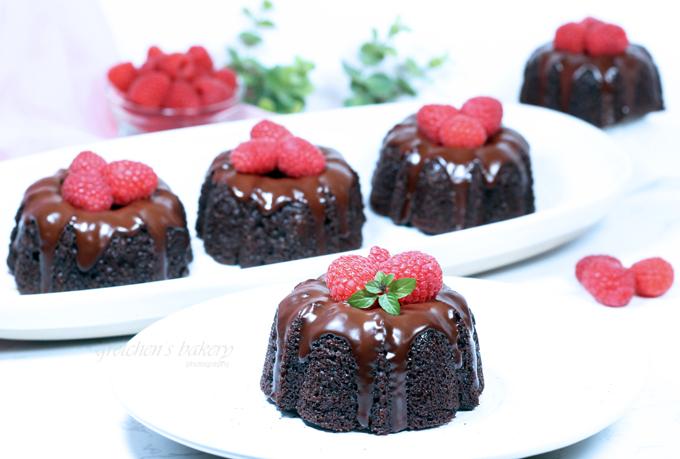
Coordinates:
(578,170)
(552,379)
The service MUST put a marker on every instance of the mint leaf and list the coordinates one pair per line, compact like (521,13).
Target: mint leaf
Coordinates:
(265,24)
(402,287)
(389,303)
(266,5)
(374,287)
(250,38)
(362,299)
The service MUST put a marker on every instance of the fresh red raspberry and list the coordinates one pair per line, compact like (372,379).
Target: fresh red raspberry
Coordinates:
(86,191)
(200,57)
(130,181)
(121,75)
(586,261)
(571,37)
(154,51)
(653,277)
(606,40)
(87,161)
(227,75)
(269,130)
(462,131)
(299,158)
(172,64)
(431,117)
(378,255)
(591,23)
(188,71)
(256,156)
(487,111)
(152,64)
(181,95)
(349,274)
(420,266)
(610,284)
(212,90)
(149,89)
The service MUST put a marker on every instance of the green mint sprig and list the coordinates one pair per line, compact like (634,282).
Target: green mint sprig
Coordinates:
(281,88)
(386,290)
(371,85)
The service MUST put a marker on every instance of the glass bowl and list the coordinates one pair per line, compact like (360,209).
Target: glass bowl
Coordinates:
(136,119)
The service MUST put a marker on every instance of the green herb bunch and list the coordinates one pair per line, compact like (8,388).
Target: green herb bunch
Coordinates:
(281,88)
(374,83)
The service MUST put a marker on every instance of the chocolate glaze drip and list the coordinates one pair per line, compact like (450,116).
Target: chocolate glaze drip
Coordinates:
(414,146)
(44,205)
(272,192)
(371,332)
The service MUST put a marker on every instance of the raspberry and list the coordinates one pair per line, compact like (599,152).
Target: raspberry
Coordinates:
(653,277)
(606,40)
(610,284)
(485,110)
(154,51)
(227,75)
(463,132)
(419,266)
(130,181)
(172,64)
(86,161)
(431,117)
(571,37)
(121,75)
(379,255)
(188,71)
(299,158)
(212,90)
(269,130)
(591,23)
(200,57)
(256,156)
(90,192)
(149,89)
(152,64)
(586,261)
(348,274)
(181,95)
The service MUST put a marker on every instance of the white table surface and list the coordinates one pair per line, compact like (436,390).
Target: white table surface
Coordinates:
(55,397)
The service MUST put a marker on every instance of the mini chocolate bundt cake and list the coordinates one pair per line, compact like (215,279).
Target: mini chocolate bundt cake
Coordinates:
(601,89)
(438,189)
(343,368)
(57,247)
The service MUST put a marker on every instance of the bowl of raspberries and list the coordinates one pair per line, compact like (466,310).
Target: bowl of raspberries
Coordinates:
(171,91)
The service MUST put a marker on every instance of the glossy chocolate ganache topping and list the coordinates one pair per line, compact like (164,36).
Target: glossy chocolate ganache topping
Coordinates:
(504,147)
(44,205)
(371,332)
(273,191)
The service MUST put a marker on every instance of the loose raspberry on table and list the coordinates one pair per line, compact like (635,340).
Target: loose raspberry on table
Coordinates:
(571,37)
(227,75)
(212,90)
(431,117)
(130,181)
(653,277)
(87,161)
(606,40)
(378,255)
(256,156)
(485,110)
(122,75)
(420,266)
(462,131)
(201,57)
(349,274)
(149,89)
(610,285)
(586,261)
(299,158)
(87,191)
(181,95)
(269,130)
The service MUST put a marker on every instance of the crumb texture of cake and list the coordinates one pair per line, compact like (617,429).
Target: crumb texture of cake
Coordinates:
(253,220)
(438,189)
(56,247)
(344,368)
(601,90)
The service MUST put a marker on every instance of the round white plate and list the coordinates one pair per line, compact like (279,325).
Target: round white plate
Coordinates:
(579,172)
(555,374)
